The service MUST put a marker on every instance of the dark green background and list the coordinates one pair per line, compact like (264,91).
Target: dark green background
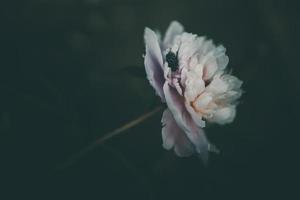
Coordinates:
(70,71)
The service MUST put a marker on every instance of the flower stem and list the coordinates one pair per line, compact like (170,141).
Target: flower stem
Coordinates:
(71,160)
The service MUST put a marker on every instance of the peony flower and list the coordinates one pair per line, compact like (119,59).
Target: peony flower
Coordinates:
(189,74)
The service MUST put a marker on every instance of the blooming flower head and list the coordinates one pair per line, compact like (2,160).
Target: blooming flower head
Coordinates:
(189,74)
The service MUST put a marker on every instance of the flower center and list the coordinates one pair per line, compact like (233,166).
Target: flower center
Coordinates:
(172,60)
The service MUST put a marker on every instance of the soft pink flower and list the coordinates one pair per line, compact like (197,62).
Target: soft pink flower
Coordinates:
(188,74)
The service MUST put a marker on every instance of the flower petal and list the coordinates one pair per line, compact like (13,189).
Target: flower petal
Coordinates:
(175,103)
(222,58)
(217,85)
(224,115)
(174,137)
(194,85)
(174,29)
(154,62)
(233,82)
(188,47)
(195,116)
(215,60)
(183,119)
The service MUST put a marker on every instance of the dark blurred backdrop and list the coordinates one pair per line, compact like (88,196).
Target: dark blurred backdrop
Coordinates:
(72,70)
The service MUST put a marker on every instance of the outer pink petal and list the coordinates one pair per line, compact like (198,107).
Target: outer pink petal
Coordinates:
(154,62)
(183,119)
(174,137)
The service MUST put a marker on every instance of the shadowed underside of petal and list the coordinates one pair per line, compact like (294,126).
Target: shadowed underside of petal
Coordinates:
(174,137)
(183,119)
(154,62)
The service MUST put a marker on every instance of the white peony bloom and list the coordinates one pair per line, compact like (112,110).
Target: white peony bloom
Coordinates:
(188,72)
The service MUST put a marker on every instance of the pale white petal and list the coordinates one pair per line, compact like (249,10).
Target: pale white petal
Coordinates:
(203,100)
(217,85)
(194,85)
(215,60)
(224,115)
(210,69)
(206,46)
(188,47)
(174,29)
(197,117)
(229,97)
(233,82)
(221,57)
